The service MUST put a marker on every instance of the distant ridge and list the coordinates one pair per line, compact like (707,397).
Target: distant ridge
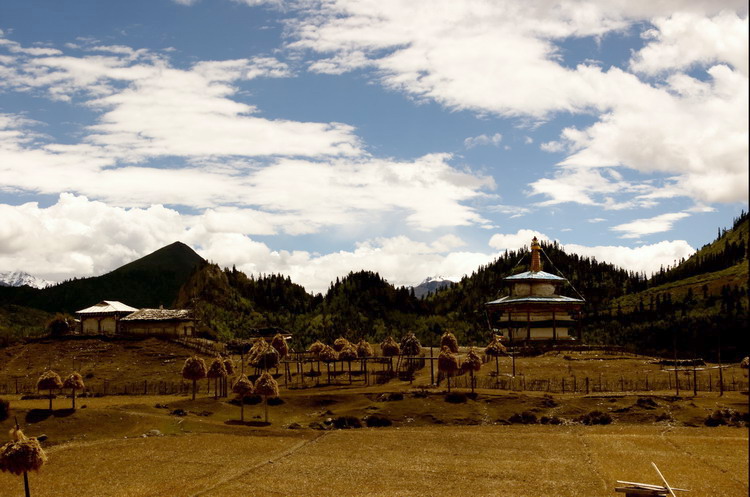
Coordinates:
(431,285)
(150,281)
(22,278)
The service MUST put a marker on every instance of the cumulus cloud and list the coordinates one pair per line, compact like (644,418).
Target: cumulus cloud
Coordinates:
(474,141)
(503,58)
(649,226)
(80,237)
(648,258)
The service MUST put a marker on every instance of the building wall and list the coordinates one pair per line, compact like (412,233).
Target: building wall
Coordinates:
(563,333)
(521,290)
(174,328)
(98,326)
(542,289)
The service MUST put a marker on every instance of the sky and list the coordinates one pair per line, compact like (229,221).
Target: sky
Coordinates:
(412,138)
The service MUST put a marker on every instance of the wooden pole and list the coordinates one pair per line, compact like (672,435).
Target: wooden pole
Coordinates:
(432,368)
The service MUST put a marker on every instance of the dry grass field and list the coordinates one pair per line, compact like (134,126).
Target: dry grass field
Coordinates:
(434,448)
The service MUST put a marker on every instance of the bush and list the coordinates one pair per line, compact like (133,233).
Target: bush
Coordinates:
(646,403)
(548,401)
(4,410)
(375,421)
(595,418)
(456,398)
(526,418)
(388,397)
(552,420)
(727,417)
(346,422)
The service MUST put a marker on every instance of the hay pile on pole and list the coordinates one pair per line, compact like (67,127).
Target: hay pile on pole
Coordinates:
(21,455)
(447,364)
(316,348)
(217,370)
(229,366)
(279,343)
(495,349)
(364,349)
(328,355)
(194,370)
(410,345)
(74,382)
(472,363)
(340,343)
(390,348)
(49,381)
(263,356)
(242,387)
(266,386)
(348,354)
(449,340)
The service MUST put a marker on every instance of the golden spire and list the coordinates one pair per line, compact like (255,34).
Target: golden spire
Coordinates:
(536,263)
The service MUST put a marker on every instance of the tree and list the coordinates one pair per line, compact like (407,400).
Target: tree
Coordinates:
(194,370)
(61,324)
(266,386)
(49,381)
(74,382)
(243,388)
(217,370)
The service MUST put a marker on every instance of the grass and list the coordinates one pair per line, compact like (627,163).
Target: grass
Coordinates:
(440,461)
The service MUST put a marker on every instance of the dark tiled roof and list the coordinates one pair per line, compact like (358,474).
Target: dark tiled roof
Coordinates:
(160,315)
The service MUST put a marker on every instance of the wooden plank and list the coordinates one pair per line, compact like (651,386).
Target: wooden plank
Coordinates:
(666,484)
(648,485)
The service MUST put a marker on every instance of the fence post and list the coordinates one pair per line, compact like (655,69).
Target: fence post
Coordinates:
(587,385)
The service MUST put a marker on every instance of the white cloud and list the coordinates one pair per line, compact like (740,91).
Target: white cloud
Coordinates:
(596,220)
(80,237)
(515,241)
(474,141)
(649,226)
(502,57)
(512,210)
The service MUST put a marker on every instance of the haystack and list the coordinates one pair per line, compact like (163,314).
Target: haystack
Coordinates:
(495,349)
(364,349)
(447,364)
(242,387)
(348,353)
(194,370)
(410,345)
(74,382)
(340,343)
(217,370)
(328,354)
(266,386)
(316,348)
(263,356)
(21,455)
(745,363)
(229,365)
(279,343)
(49,381)
(472,363)
(389,347)
(449,340)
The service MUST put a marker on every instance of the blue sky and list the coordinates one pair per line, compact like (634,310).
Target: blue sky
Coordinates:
(414,139)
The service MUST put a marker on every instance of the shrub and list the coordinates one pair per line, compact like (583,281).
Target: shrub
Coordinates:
(346,422)
(595,418)
(727,417)
(375,421)
(552,420)
(548,401)
(456,397)
(526,418)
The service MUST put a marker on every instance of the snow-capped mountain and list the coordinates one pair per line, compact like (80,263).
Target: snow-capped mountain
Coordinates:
(21,278)
(431,284)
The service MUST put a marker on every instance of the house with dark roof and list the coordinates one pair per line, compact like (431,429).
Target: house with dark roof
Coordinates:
(103,318)
(534,310)
(161,322)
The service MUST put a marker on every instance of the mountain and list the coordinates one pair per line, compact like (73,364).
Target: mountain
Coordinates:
(431,285)
(150,281)
(21,278)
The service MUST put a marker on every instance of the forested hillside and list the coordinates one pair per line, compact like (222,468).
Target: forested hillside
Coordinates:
(686,308)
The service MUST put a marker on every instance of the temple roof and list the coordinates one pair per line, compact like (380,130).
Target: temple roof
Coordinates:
(552,299)
(535,275)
